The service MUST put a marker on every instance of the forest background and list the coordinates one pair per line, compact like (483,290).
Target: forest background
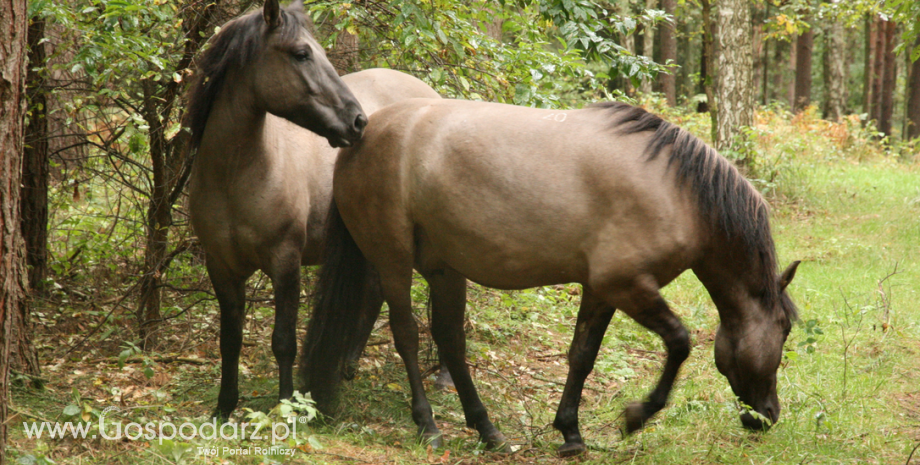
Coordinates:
(105,297)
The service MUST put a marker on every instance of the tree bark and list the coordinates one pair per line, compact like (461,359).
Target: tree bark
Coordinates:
(780,51)
(868,69)
(765,60)
(159,217)
(889,80)
(629,43)
(171,167)
(648,47)
(835,87)
(706,61)
(790,85)
(878,70)
(344,56)
(35,162)
(686,59)
(668,53)
(735,100)
(803,52)
(13,277)
(913,99)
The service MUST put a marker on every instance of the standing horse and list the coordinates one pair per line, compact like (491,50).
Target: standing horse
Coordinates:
(611,197)
(262,182)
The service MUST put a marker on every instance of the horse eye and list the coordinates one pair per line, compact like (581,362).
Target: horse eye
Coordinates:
(301,55)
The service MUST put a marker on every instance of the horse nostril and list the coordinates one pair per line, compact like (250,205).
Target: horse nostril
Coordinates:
(773,413)
(360,122)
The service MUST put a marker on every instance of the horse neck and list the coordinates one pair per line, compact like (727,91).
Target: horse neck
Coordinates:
(734,278)
(235,131)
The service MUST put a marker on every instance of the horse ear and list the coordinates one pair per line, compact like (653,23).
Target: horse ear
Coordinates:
(788,274)
(296,5)
(272,14)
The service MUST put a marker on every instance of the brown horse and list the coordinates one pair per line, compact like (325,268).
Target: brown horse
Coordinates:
(611,197)
(262,181)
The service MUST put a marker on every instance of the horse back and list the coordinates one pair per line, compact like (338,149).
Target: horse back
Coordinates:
(516,197)
(378,87)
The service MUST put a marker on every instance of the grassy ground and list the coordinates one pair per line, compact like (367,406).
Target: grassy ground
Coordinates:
(849,383)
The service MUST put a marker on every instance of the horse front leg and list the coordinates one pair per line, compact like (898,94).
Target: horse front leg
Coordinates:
(230,289)
(643,303)
(284,335)
(593,318)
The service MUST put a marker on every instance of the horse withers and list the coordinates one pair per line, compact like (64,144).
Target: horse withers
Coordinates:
(611,197)
(264,111)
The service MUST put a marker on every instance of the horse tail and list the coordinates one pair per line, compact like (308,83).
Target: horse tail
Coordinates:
(346,303)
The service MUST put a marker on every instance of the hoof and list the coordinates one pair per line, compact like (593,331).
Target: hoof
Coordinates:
(496,442)
(220,417)
(571,449)
(444,382)
(350,370)
(430,436)
(635,417)
(433,440)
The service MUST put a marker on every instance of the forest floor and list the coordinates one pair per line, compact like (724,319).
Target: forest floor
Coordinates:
(849,383)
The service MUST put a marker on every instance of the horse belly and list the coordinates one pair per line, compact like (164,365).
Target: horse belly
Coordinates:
(500,242)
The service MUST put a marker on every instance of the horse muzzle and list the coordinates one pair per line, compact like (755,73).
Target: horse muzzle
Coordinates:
(758,423)
(350,135)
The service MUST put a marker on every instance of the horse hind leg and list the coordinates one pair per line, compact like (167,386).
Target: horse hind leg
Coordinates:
(448,304)
(231,296)
(593,318)
(444,381)
(396,289)
(643,303)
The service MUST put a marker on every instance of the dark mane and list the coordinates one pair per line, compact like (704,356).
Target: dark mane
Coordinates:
(233,48)
(728,200)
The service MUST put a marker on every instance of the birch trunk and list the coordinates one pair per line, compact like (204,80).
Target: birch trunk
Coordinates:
(734,79)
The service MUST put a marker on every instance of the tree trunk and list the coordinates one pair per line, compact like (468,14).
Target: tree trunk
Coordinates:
(735,100)
(344,56)
(835,87)
(13,277)
(913,99)
(35,162)
(803,51)
(780,49)
(171,167)
(765,61)
(706,61)
(629,43)
(648,47)
(878,70)
(889,80)
(686,59)
(790,84)
(668,53)
(495,28)
(868,69)
(159,218)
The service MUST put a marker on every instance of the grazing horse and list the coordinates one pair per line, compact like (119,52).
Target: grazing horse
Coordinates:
(261,183)
(611,197)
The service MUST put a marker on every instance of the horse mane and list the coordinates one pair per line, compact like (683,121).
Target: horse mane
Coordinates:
(724,196)
(233,48)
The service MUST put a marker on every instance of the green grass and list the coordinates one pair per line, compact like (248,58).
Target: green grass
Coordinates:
(850,394)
